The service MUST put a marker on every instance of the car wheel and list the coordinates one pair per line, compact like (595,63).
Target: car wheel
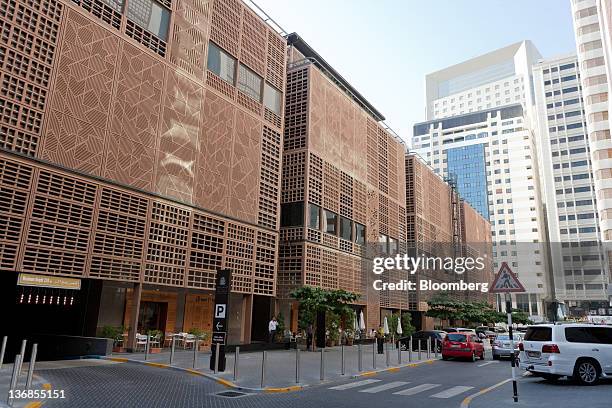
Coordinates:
(495,357)
(444,358)
(586,372)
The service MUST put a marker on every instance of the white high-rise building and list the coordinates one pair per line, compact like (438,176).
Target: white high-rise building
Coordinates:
(498,78)
(479,133)
(579,266)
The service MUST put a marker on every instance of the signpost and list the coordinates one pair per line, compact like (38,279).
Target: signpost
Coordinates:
(507,282)
(220,315)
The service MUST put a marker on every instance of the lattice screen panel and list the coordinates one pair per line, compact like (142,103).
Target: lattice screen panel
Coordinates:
(253,43)
(226,21)
(315,180)
(28,37)
(296,109)
(59,230)
(269,181)
(206,254)
(275,60)
(240,256)
(15,180)
(167,244)
(331,187)
(294,164)
(107,11)
(312,272)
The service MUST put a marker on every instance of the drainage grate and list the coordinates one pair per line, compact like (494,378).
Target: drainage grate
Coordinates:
(231,394)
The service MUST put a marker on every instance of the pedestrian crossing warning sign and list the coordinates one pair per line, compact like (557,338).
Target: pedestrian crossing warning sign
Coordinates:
(506,281)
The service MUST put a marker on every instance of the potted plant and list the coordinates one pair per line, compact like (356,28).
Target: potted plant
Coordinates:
(115,333)
(200,335)
(155,335)
(349,337)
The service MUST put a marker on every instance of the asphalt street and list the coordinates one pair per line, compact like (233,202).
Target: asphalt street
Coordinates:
(440,384)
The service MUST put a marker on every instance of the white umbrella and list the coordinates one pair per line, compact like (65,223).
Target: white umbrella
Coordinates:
(355,326)
(399,325)
(386,326)
(362,325)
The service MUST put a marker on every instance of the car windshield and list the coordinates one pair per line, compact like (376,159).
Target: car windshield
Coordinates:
(538,334)
(455,337)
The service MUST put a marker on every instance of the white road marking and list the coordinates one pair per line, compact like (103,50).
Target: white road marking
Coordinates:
(487,363)
(384,387)
(417,389)
(354,384)
(451,392)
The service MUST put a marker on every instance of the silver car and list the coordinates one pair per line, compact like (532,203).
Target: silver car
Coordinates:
(502,347)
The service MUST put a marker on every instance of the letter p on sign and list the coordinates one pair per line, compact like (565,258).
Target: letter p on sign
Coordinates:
(220,311)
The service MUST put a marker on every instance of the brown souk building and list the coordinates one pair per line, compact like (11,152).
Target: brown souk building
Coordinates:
(146,144)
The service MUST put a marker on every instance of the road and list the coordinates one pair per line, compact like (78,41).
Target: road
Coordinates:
(441,384)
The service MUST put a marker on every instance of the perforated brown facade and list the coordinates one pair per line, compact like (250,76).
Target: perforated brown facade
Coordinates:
(123,158)
(339,159)
(440,224)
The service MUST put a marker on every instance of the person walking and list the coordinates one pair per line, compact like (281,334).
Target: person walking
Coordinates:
(380,339)
(309,335)
(272,329)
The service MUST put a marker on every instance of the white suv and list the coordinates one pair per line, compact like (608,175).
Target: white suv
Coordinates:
(581,351)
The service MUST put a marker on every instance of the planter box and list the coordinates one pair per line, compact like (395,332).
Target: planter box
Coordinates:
(155,350)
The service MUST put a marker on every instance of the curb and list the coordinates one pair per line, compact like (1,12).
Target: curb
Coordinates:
(467,400)
(267,390)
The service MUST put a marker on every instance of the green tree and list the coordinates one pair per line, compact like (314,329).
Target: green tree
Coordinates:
(520,317)
(313,300)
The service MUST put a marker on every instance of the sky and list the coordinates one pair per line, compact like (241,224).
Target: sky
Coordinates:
(384,48)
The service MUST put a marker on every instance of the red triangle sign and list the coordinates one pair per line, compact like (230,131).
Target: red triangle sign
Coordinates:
(506,281)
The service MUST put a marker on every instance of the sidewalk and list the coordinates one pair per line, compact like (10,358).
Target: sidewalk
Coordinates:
(6,372)
(280,370)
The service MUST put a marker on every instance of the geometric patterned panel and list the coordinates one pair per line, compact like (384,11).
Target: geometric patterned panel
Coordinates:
(179,138)
(80,106)
(136,109)
(245,162)
(213,163)
(191,21)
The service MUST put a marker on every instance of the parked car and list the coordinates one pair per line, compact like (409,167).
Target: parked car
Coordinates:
(501,346)
(462,345)
(580,351)
(459,329)
(423,335)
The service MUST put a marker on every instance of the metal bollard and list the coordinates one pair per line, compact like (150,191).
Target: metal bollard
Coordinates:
(410,350)
(297,364)
(23,348)
(375,344)
(146,355)
(31,366)
(14,378)
(342,353)
(387,355)
(419,349)
(217,349)
(322,364)
(263,369)
(359,358)
(236,362)
(399,353)
(428,348)
(172,347)
(436,348)
(4,340)
(195,353)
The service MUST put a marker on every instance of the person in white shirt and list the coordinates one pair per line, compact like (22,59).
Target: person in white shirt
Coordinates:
(272,329)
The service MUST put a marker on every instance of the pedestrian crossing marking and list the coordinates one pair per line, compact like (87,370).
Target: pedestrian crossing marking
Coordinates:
(451,392)
(354,384)
(384,387)
(417,389)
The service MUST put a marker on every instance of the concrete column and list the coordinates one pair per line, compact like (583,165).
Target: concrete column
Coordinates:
(136,295)
(247,315)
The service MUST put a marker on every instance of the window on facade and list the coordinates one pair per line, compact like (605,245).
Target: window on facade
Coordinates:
(360,234)
(151,16)
(314,216)
(249,82)
(272,98)
(292,214)
(221,63)
(331,222)
(383,244)
(346,228)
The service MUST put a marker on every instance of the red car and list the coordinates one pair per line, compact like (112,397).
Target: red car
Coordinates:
(462,345)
